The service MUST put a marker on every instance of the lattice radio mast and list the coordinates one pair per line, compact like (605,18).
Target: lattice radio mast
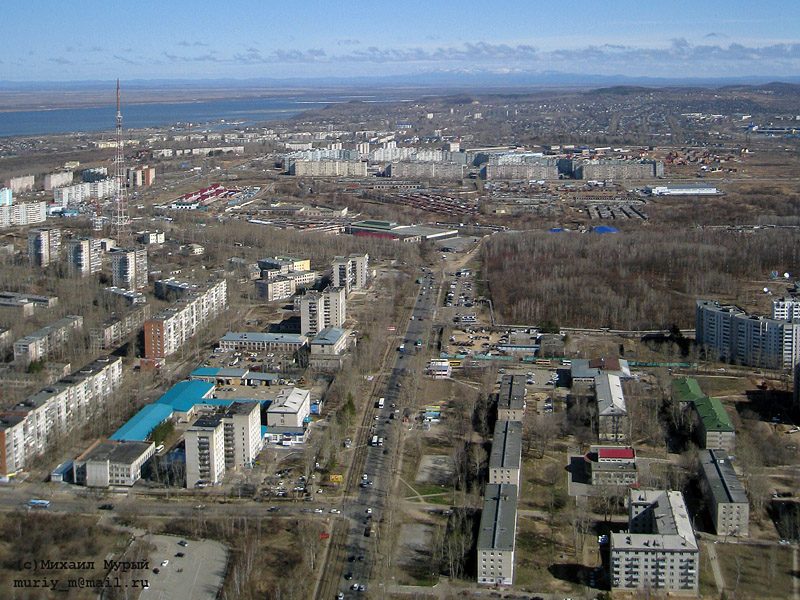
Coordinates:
(122,219)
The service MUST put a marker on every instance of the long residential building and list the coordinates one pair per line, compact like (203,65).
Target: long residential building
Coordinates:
(263,342)
(612,412)
(326,168)
(20,184)
(276,288)
(659,552)
(113,331)
(505,459)
(427,170)
(725,496)
(511,398)
(30,428)
(48,340)
(731,334)
(83,192)
(786,309)
(714,427)
(497,535)
(165,333)
(57,180)
(27,213)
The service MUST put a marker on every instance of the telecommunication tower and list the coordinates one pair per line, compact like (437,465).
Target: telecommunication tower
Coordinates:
(122,219)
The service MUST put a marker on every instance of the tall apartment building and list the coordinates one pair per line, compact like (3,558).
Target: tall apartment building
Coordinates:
(6,196)
(18,185)
(83,192)
(505,459)
(522,171)
(242,434)
(327,168)
(27,213)
(497,535)
(320,310)
(786,309)
(165,333)
(129,268)
(725,496)
(660,551)
(94,174)
(84,256)
(731,334)
(44,246)
(205,451)
(351,272)
(140,176)
(113,331)
(30,428)
(427,170)
(57,180)
(511,398)
(46,341)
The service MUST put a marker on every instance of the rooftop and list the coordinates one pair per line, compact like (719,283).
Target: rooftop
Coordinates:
(265,338)
(185,394)
(588,369)
(721,478)
(329,335)
(673,528)
(143,422)
(499,518)
(512,392)
(506,445)
(289,400)
(709,410)
(610,399)
(125,452)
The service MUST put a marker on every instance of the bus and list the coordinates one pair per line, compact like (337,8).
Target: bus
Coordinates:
(381,403)
(39,503)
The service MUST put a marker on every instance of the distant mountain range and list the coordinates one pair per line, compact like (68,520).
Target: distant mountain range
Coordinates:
(456,78)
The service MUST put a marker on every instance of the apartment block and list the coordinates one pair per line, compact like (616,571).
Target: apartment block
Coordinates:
(165,333)
(726,499)
(659,552)
(112,332)
(129,268)
(6,196)
(242,434)
(57,180)
(83,192)
(18,185)
(27,213)
(351,272)
(522,172)
(511,398)
(31,427)
(44,246)
(108,463)
(277,288)
(48,340)
(730,334)
(84,256)
(786,309)
(140,176)
(427,170)
(505,460)
(327,168)
(94,174)
(327,349)
(612,412)
(321,310)
(205,451)
(129,296)
(497,535)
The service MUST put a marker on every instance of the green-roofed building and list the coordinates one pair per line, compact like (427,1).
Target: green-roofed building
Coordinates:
(715,428)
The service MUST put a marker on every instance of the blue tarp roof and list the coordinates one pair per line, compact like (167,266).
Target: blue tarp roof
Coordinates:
(605,229)
(142,423)
(556,230)
(185,394)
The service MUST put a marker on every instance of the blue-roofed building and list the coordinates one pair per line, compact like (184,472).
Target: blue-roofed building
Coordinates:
(186,396)
(142,423)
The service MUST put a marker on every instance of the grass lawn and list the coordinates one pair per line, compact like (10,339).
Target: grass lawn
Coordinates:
(538,566)
(762,571)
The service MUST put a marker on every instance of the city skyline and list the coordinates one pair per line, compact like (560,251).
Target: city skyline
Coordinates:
(198,40)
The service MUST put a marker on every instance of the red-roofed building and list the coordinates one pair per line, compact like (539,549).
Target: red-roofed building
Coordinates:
(615,454)
(612,466)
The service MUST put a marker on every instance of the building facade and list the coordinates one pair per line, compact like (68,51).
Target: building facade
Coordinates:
(205,451)
(726,499)
(109,463)
(48,340)
(84,256)
(505,459)
(129,268)
(497,535)
(511,398)
(44,246)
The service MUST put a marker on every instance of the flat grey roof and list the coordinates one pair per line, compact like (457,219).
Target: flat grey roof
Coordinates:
(506,445)
(673,528)
(265,338)
(329,335)
(242,408)
(499,518)
(721,478)
(116,452)
(512,392)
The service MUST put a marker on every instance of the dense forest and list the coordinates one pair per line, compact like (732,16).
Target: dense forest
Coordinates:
(636,280)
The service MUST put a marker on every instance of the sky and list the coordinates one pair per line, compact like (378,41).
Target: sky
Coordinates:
(211,39)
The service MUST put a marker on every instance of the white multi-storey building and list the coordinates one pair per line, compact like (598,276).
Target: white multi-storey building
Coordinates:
(242,434)
(27,213)
(30,428)
(319,311)
(57,180)
(165,333)
(786,309)
(47,340)
(44,246)
(19,184)
(351,272)
(659,552)
(205,451)
(733,335)
(505,460)
(129,268)
(497,535)
(84,256)
(277,288)
(112,463)
(290,408)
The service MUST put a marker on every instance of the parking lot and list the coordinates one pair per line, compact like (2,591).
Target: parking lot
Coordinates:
(196,575)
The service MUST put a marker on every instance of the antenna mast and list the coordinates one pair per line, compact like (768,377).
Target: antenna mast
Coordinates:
(122,220)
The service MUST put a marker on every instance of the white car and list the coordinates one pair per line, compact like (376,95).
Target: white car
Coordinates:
(164,563)
(369,511)
(335,511)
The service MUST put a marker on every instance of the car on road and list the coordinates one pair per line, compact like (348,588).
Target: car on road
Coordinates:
(348,576)
(180,555)
(354,586)
(335,511)
(340,596)
(369,511)
(319,511)
(106,507)
(361,588)
(184,543)
(164,563)
(156,570)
